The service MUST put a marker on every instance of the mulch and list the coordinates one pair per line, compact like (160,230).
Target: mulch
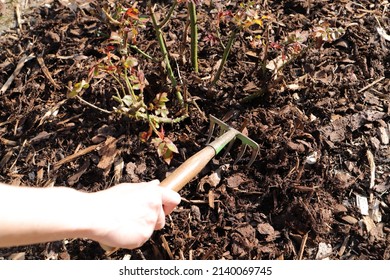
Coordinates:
(322,124)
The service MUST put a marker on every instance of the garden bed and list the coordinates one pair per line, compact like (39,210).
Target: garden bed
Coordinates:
(321,120)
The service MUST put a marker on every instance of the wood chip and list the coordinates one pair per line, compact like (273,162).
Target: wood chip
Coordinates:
(349,219)
(211,199)
(76,177)
(369,223)
(108,153)
(370,158)
(383,134)
(18,256)
(362,204)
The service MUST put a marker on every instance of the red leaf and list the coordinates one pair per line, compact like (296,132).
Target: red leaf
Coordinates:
(133,13)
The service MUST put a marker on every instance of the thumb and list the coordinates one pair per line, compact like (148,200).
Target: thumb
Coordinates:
(170,199)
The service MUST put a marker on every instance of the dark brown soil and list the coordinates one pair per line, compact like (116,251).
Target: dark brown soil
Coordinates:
(322,125)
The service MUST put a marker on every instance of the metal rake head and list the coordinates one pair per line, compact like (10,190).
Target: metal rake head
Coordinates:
(227,136)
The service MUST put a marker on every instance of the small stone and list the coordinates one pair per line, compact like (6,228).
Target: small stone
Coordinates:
(324,251)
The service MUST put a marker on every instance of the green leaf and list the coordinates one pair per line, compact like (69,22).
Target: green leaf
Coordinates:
(77,88)
(168,156)
(127,100)
(172,147)
(130,62)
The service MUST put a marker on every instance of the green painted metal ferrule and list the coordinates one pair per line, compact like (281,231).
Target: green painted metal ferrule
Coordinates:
(227,135)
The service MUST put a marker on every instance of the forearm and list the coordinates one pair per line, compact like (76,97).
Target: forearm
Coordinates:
(35,215)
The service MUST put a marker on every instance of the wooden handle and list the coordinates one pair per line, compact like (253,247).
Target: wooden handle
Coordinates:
(188,170)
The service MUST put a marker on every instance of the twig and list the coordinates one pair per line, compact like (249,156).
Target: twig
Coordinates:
(109,250)
(93,106)
(18,17)
(165,245)
(76,155)
(140,254)
(17,157)
(370,85)
(343,246)
(110,18)
(303,245)
(16,72)
(46,72)
(170,12)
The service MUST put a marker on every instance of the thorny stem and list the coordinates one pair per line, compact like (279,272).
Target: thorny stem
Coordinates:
(144,116)
(194,35)
(130,87)
(143,53)
(151,124)
(158,119)
(119,82)
(184,39)
(170,12)
(262,61)
(110,18)
(224,57)
(165,55)
(163,47)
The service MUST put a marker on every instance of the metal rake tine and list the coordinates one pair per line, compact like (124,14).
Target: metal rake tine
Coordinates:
(222,131)
(253,157)
(211,132)
(239,156)
(228,148)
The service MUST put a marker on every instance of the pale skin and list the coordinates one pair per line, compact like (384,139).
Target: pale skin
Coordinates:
(124,216)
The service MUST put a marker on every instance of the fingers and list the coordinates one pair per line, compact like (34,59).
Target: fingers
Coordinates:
(154,182)
(170,199)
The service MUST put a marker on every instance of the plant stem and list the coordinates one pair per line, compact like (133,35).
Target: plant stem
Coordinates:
(194,35)
(170,12)
(119,82)
(143,53)
(158,119)
(130,87)
(224,57)
(163,48)
(164,51)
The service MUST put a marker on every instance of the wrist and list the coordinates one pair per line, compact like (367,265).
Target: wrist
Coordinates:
(79,218)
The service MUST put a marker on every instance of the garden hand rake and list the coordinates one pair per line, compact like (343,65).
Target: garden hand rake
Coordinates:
(192,166)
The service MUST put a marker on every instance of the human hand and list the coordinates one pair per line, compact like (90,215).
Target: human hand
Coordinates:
(126,215)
